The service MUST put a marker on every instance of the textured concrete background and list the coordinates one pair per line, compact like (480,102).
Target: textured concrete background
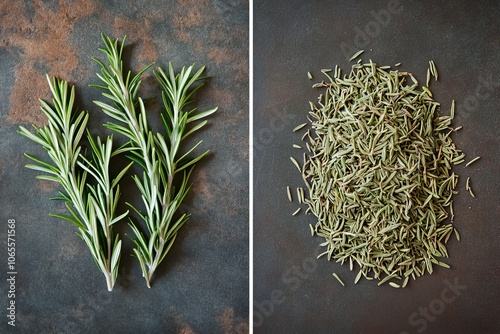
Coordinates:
(202,285)
(293,291)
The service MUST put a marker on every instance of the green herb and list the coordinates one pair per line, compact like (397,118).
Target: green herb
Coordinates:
(158,154)
(378,172)
(92,207)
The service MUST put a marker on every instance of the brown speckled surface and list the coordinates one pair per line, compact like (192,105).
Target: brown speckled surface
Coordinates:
(202,286)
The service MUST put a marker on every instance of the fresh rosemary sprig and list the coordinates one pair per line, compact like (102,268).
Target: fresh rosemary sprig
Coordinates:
(159,156)
(92,207)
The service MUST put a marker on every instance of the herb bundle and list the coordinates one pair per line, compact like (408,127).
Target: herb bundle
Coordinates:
(92,206)
(379,172)
(160,157)
(163,184)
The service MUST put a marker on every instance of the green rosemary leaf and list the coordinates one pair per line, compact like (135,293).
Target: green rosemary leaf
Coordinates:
(169,245)
(120,129)
(139,241)
(41,162)
(194,128)
(68,218)
(49,170)
(189,152)
(141,256)
(201,115)
(115,259)
(47,177)
(117,179)
(37,139)
(191,162)
(135,81)
(110,110)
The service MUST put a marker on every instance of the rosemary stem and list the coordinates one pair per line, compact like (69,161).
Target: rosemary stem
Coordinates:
(108,258)
(156,260)
(109,280)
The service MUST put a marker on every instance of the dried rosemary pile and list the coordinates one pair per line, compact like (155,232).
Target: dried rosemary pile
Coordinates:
(379,172)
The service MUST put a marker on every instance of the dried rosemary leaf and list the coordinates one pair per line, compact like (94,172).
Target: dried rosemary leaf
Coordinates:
(427,91)
(433,69)
(296,164)
(298,127)
(472,161)
(356,54)
(470,189)
(312,229)
(338,279)
(299,196)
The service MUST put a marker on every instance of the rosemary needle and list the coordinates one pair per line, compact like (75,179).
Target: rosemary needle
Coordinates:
(338,279)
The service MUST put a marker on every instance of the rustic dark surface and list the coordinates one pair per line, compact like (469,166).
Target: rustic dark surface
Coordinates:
(202,285)
(293,291)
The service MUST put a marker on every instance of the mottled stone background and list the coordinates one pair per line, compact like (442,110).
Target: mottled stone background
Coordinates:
(202,286)
(293,291)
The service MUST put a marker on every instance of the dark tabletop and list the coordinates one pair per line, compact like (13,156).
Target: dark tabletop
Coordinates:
(293,291)
(202,285)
